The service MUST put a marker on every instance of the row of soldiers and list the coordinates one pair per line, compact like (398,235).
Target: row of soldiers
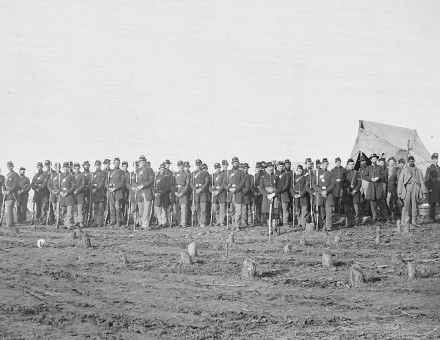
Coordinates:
(275,194)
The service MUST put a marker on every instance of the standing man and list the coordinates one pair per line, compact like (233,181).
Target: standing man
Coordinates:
(338,173)
(39,185)
(67,196)
(268,185)
(10,189)
(200,189)
(411,189)
(87,190)
(374,174)
(246,200)
(24,185)
(393,173)
(168,172)
(225,170)
(351,195)
(115,185)
(324,189)
(133,198)
(283,191)
(53,187)
(50,173)
(258,197)
(145,191)
(432,178)
(219,195)
(290,172)
(235,183)
(98,194)
(300,194)
(162,196)
(125,191)
(106,171)
(181,191)
(80,186)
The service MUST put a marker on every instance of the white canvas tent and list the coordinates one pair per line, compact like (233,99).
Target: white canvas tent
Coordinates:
(390,140)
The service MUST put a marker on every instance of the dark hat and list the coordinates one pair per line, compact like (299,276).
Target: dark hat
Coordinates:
(434,156)
(245,165)
(106,161)
(86,163)
(410,158)
(12,164)
(235,159)
(308,159)
(287,161)
(317,162)
(66,165)
(363,158)
(98,162)
(225,162)
(142,158)
(337,159)
(179,163)
(217,165)
(280,163)
(391,158)
(263,164)
(401,161)
(21,168)
(258,164)
(136,163)
(38,164)
(350,160)
(324,160)
(382,159)
(125,163)
(300,167)
(47,162)
(167,161)
(186,164)
(198,162)
(268,164)
(374,156)
(116,159)
(76,165)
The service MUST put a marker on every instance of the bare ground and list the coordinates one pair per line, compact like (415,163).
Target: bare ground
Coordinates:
(65,290)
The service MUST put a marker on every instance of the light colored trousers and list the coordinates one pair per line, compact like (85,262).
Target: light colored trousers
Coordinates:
(161,215)
(145,211)
(410,209)
(9,212)
(79,213)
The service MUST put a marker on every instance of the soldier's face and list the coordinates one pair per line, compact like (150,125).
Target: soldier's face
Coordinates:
(142,163)
(77,169)
(235,165)
(374,160)
(47,167)
(224,167)
(269,169)
(287,166)
(299,171)
(324,165)
(411,162)
(22,172)
(308,165)
(279,167)
(217,170)
(180,167)
(39,168)
(435,160)
(350,166)
(167,166)
(125,167)
(97,167)
(116,164)
(338,163)
(391,162)
(86,167)
(10,168)
(106,166)
(66,169)
(161,170)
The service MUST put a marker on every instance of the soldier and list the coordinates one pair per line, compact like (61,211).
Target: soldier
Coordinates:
(144,188)
(268,185)
(308,173)
(98,194)
(115,185)
(393,172)
(169,173)
(338,173)
(219,195)
(106,172)
(10,188)
(375,176)
(87,192)
(67,196)
(50,173)
(283,191)
(125,192)
(324,189)
(80,185)
(39,185)
(247,197)
(410,189)
(235,183)
(2,183)
(24,185)
(53,186)
(364,205)
(299,192)
(351,195)
(181,191)
(258,197)
(200,189)
(290,172)
(432,178)
(162,196)
(133,198)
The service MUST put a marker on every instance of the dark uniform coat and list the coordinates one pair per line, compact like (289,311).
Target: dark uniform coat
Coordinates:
(24,185)
(283,186)
(246,198)
(39,185)
(200,181)
(236,179)
(80,186)
(338,174)
(301,185)
(375,190)
(182,186)
(432,178)
(349,183)
(10,186)
(98,185)
(218,184)
(327,183)
(162,190)
(67,187)
(116,181)
(268,182)
(146,181)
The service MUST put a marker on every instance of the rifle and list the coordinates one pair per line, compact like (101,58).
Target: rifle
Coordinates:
(227,203)
(59,201)
(193,208)
(311,199)
(90,202)
(318,222)
(129,202)
(107,211)
(50,196)
(294,201)
(152,201)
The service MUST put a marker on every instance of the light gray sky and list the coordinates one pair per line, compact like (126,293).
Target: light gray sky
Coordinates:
(212,79)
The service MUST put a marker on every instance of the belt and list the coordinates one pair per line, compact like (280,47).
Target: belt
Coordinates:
(198,185)
(338,180)
(217,187)
(323,188)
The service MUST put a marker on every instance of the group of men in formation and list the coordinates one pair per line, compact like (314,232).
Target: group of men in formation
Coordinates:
(276,195)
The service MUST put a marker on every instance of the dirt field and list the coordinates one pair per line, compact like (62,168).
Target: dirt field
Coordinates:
(65,290)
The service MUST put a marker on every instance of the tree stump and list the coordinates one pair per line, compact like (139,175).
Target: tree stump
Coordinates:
(74,235)
(185,259)
(411,268)
(86,240)
(249,269)
(302,241)
(398,226)
(310,228)
(327,260)
(356,278)
(287,248)
(123,258)
(192,249)
(406,228)
(377,240)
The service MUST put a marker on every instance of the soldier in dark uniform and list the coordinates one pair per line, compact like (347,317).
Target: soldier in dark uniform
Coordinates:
(67,197)
(41,198)
(125,180)
(106,172)
(351,195)
(324,189)
(364,206)
(268,186)
(98,194)
(162,196)
(338,173)
(132,196)
(50,173)
(80,185)
(432,178)
(393,173)
(300,193)
(87,192)
(225,170)
(258,197)
(144,187)
(375,176)
(182,190)
(200,189)
(115,186)
(283,191)
(235,183)
(53,186)
(10,188)
(170,210)
(246,199)
(24,185)
(219,194)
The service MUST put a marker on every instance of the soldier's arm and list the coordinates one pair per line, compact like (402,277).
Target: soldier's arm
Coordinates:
(332,184)
(206,182)
(72,186)
(262,189)
(187,185)
(81,185)
(34,183)
(428,179)
(27,186)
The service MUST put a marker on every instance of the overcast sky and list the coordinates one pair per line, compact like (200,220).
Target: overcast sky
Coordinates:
(86,80)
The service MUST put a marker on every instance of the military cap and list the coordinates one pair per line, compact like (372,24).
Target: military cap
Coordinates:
(324,160)
(410,158)
(317,162)
(308,159)
(106,161)
(258,165)
(287,161)
(225,162)
(263,164)
(66,164)
(86,163)
(125,163)
(167,161)
(374,156)
(269,164)
(401,161)
(142,158)
(350,160)
(245,165)
(337,159)
(11,164)
(300,167)
(47,162)
(162,166)
(198,162)
(179,163)
(38,164)
(76,165)
(235,159)
(280,163)
(98,162)
(116,159)
(382,159)
(363,158)
(186,164)
(21,168)
(136,163)
(434,156)
(391,158)
(217,165)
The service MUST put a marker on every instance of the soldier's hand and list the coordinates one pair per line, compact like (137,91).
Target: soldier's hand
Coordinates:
(232,190)
(297,196)
(353,193)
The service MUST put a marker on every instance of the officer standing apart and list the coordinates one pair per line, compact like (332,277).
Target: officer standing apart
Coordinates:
(67,197)
(324,189)
(432,178)
(10,188)
(236,182)
(145,191)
